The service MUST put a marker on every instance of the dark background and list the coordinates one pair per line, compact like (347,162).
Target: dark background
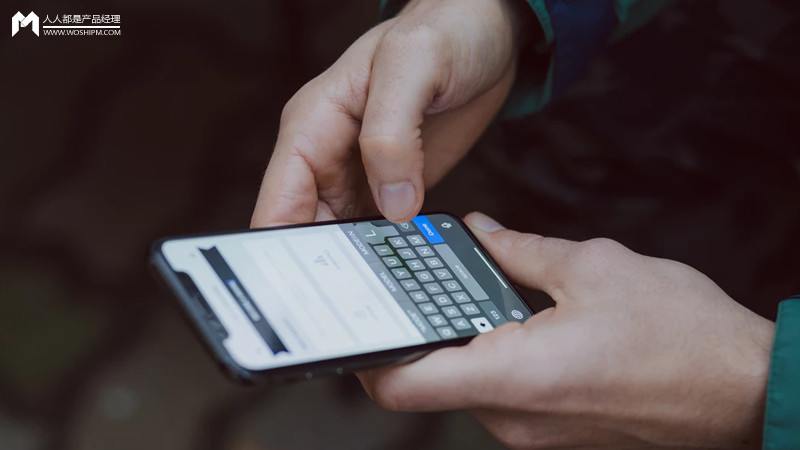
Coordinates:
(681,142)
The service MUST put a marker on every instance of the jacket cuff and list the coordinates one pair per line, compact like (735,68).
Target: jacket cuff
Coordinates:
(782,417)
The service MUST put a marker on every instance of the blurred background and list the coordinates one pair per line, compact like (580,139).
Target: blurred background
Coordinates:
(681,142)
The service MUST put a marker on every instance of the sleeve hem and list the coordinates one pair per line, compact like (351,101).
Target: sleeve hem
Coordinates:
(782,416)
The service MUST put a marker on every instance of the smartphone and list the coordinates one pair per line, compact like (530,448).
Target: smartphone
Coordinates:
(306,300)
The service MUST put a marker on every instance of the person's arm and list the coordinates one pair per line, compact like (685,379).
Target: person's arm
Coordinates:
(782,421)
(567,36)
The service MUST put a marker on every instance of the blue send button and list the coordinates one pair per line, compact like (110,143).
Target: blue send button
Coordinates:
(427,229)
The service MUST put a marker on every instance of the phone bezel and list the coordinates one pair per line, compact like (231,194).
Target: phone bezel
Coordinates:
(193,312)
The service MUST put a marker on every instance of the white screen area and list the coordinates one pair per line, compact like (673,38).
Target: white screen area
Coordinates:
(310,286)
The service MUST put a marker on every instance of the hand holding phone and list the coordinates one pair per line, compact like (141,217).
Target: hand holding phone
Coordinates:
(638,352)
(324,298)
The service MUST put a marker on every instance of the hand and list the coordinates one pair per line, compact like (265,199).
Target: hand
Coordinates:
(638,351)
(395,113)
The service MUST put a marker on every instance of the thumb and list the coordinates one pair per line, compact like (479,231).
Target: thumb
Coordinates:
(533,261)
(402,84)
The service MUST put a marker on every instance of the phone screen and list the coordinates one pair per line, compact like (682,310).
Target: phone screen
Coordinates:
(302,294)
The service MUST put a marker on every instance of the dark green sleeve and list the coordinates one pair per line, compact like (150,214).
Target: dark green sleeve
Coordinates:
(574,31)
(782,418)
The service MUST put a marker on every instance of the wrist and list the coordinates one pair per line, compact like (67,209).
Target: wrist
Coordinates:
(752,375)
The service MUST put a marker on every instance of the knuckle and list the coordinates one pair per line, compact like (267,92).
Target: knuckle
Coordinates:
(296,102)
(523,242)
(290,108)
(381,144)
(601,249)
(384,148)
(415,36)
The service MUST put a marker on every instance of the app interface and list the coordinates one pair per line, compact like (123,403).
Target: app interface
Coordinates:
(298,295)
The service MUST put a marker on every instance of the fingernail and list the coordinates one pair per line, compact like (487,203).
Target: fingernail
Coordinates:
(484,223)
(397,200)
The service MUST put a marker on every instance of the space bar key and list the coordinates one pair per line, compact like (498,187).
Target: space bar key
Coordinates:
(461,272)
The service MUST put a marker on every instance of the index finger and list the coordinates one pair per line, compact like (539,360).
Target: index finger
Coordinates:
(314,140)
(288,193)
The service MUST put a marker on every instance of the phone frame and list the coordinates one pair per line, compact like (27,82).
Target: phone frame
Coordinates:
(193,311)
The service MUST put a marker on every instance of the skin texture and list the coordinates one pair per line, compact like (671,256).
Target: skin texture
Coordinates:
(638,352)
(393,115)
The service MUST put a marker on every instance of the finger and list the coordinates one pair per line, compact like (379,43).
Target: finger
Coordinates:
(446,379)
(402,85)
(531,260)
(450,134)
(309,159)
(288,192)
(311,174)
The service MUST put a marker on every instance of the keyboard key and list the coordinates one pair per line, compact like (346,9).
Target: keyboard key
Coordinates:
(433,263)
(409,285)
(482,324)
(406,227)
(461,324)
(415,264)
(406,253)
(398,242)
(442,274)
(446,332)
(418,296)
(424,276)
(401,273)
(494,315)
(373,234)
(462,274)
(451,285)
(433,288)
(426,227)
(451,311)
(442,300)
(425,251)
(416,239)
(437,320)
(460,297)
(470,309)
(382,250)
(428,308)
(391,261)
